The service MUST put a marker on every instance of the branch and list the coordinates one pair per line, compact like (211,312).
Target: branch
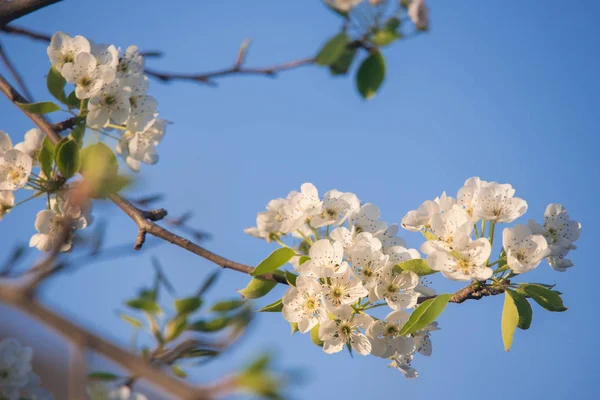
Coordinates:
(11,10)
(474,291)
(15,30)
(17,297)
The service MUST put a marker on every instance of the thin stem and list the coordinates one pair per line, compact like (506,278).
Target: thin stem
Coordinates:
(497,262)
(476,231)
(119,127)
(81,106)
(482,228)
(276,239)
(29,198)
(315,232)
(309,240)
(327,231)
(492,228)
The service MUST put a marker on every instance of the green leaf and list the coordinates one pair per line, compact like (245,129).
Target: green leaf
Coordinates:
(275,260)
(211,280)
(303,259)
(393,23)
(200,353)
(273,307)
(260,364)
(209,326)
(56,85)
(187,305)
(385,36)
(510,320)
(46,157)
(545,297)
(370,75)
(67,158)
(294,327)
(45,107)
(332,50)
(314,335)
(335,10)
(418,266)
(257,287)
(175,328)
(144,305)
(178,371)
(98,159)
(72,100)
(425,314)
(103,376)
(227,305)
(77,133)
(290,277)
(343,63)
(136,323)
(523,308)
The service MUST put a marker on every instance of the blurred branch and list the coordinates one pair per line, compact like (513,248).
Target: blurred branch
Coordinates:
(15,30)
(15,74)
(11,10)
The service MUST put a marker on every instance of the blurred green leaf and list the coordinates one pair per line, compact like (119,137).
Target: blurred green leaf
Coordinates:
(144,305)
(45,107)
(370,75)
(77,133)
(72,100)
(187,305)
(103,376)
(257,287)
(175,328)
(178,371)
(510,320)
(136,323)
(209,326)
(384,37)
(332,50)
(227,305)
(314,336)
(344,62)
(56,85)
(273,307)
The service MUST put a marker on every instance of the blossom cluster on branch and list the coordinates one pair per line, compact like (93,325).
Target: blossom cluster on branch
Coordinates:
(17,380)
(350,262)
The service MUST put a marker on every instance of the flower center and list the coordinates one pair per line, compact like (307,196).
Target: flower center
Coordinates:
(345,330)
(392,288)
(86,81)
(110,100)
(311,304)
(392,330)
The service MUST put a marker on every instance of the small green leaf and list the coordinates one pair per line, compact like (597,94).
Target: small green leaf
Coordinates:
(510,320)
(332,50)
(208,326)
(370,75)
(425,314)
(259,364)
(44,107)
(257,287)
(385,36)
(178,371)
(211,280)
(56,85)
(77,133)
(67,158)
(187,305)
(275,260)
(136,323)
(343,63)
(72,100)
(290,277)
(227,305)
(314,335)
(103,376)
(294,327)
(175,328)
(545,297)
(303,259)
(144,305)
(418,266)
(523,308)
(46,157)
(201,353)
(393,23)
(273,307)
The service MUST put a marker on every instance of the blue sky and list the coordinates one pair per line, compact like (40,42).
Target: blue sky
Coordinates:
(507,91)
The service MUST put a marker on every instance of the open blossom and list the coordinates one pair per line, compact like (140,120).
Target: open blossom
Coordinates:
(389,238)
(143,107)
(422,339)
(366,219)
(466,261)
(140,147)
(110,103)
(15,367)
(397,289)
(326,259)
(345,288)
(34,138)
(50,225)
(495,202)
(418,219)
(336,208)
(106,55)
(385,336)
(403,364)
(524,250)
(64,49)
(303,304)
(131,62)
(468,196)
(369,265)
(15,168)
(87,75)
(559,229)
(453,223)
(345,329)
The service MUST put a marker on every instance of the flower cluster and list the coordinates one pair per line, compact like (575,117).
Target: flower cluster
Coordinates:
(17,380)
(347,268)
(113,89)
(460,252)
(417,9)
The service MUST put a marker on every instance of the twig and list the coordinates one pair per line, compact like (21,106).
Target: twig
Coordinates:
(64,125)
(15,30)
(15,74)
(11,10)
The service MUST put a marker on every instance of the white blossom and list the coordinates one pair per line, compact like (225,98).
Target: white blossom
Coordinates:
(419,14)
(106,55)
(15,168)
(343,5)
(125,393)
(110,103)
(32,144)
(344,329)
(418,219)
(89,77)
(495,202)
(15,367)
(336,208)
(366,219)
(422,339)
(403,364)
(131,63)
(303,304)
(50,226)
(140,147)
(389,238)
(369,265)
(143,107)
(64,49)
(385,336)
(559,230)
(453,223)
(467,260)
(344,288)
(33,389)
(524,250)
(326,259)
(397,289)
(7,202)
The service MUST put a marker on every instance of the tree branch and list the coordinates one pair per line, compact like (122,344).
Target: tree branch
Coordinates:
(11,10)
